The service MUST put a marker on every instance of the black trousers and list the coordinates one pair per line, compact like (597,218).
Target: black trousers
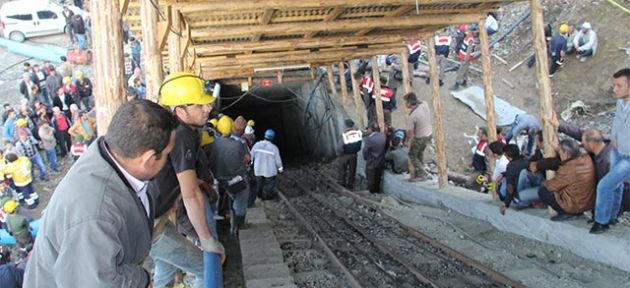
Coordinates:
(347,169)
(549,199)
(374,178)
(553,66)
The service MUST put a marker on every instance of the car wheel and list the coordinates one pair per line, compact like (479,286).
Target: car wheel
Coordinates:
(17,36)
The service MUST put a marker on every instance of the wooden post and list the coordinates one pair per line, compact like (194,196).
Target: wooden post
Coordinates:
(279,75)
(357,95)
(174,46)
(440,142)
(404,62)
(150,48)
(380,117)
(488,93)
(542,73)
(109,81)
(331,79)
(342,83)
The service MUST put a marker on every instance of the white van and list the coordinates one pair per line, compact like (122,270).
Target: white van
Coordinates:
(29,18)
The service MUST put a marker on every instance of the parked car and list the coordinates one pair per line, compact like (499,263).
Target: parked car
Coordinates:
(24,19)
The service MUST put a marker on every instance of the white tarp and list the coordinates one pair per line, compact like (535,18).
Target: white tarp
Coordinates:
(474,98)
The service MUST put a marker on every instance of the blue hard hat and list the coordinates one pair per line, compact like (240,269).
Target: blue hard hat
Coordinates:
(399,134)
(270,134)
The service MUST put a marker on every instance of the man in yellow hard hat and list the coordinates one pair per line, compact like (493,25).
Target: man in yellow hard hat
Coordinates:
(17,226)
(187,98)
(84,90)
(558,49)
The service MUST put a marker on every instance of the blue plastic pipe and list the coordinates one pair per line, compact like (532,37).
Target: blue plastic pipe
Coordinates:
(43,52)
(213,270)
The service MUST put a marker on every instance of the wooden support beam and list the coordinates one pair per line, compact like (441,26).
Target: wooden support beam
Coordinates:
(331,79)
(336,12)
(186,42)
(150,49)
(402,10)
(357,95)
(223,48)
(174,39)
(404,63)
(440,140)
(542,73)
(376,78)
(279,74)
(488,92)
(243,5)
(164,28)
(264,20)
(109,84)
(340,25)
(124,5)
(342,83)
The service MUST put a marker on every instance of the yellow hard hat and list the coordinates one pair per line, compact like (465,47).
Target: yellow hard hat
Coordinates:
(79,74)
(206,138)
(225,126)
(182,88)
(10,206)
(564,28)
(214,122)
(251,123)
(21,122)
(67,80)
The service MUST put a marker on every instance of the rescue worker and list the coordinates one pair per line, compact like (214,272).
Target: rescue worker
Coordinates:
(96,231)
(558,49)
(347,154)
(267,164)
(228,158)
(19,171)
(442,43)
(465,56)
(184,93)
(17,226)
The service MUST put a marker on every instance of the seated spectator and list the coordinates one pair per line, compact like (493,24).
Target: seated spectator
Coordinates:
(528,123)
(479,160)
(513,170)
(397,154)
(500,165)
(572,191)
(585,42)
(534,176)
(572,34)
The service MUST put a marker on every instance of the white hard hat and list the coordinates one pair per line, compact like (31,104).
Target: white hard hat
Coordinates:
(586,25)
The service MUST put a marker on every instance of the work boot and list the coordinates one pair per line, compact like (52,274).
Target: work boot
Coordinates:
(598,228)
(240,222)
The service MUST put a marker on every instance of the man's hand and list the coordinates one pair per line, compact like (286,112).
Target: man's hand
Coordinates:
(533,167)
(502,209)
(554,120)
(213,246)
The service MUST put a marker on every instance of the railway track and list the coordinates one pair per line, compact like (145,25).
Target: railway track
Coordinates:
(372,249)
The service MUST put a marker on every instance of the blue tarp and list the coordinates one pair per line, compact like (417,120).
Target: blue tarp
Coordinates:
(6,239)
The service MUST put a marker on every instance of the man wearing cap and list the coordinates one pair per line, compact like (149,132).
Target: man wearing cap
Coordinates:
(186,168)
(397,154)
(585,42)
(267,164)
(347,150)
(558,48)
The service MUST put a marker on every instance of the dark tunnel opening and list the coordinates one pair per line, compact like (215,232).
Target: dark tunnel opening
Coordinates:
(303,124)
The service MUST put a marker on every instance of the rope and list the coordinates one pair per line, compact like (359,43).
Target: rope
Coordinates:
(624,9)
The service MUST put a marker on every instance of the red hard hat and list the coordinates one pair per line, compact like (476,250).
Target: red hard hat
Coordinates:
(462,27)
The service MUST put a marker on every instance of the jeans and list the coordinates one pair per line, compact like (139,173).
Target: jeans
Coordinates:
(549,199)
(81,40)
(85,102)
(239,201)
(416,154)
(39,162)
(51,156)
(586,53)
(531,138)
(347,169)
(266,187)
(503,189)
(610,188)
(528,180)
(171,251)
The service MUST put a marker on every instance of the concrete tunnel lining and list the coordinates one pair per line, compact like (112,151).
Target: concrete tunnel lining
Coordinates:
(306,127)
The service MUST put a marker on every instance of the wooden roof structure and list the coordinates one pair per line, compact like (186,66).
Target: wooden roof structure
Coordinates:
(224,39)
